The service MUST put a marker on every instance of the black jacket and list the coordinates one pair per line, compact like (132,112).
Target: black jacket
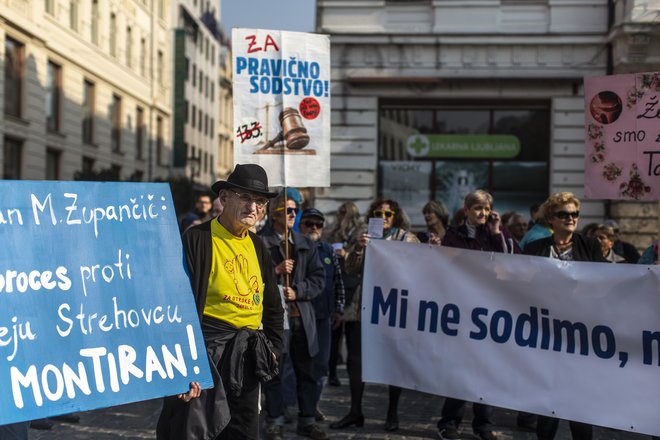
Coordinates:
(457,237)
(307,279)
(584,248)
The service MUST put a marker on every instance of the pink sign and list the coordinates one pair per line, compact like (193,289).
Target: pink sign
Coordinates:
(622,137)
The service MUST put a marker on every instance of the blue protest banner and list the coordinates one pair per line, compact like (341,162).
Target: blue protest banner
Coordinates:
(97,309)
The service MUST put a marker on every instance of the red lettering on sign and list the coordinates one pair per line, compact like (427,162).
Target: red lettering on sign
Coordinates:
(270,42)
(254,47)
(253,41)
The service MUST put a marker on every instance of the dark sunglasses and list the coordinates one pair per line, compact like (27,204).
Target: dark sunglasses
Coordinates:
(289,211)
(383,213)
(564,215)
(310,224)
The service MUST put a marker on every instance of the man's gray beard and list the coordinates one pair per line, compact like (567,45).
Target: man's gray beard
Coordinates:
(314,236)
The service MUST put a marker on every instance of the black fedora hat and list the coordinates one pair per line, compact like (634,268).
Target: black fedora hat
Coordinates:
(250,177)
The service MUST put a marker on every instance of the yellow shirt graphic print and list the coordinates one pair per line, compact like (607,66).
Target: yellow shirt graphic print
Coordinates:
(235,293)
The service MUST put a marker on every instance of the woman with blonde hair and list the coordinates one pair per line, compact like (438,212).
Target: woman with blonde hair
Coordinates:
(562,211)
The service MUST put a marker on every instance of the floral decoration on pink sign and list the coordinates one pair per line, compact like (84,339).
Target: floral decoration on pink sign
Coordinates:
(622,137)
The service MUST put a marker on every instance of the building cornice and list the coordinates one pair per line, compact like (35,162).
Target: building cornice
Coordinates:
(486,39)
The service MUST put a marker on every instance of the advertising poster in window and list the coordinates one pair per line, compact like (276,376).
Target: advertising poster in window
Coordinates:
(282,104)
(622,137)
(455,180)
(408,184)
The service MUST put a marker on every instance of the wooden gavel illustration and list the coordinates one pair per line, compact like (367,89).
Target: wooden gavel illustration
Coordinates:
(294,134)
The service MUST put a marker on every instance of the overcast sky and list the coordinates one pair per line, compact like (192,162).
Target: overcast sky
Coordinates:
(284,15)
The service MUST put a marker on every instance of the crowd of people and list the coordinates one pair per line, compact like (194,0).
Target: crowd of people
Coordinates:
(317,265)
(278,288)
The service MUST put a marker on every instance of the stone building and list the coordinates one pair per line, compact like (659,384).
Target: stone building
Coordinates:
(225,162)
(86,88)
(196,54)
(432,98)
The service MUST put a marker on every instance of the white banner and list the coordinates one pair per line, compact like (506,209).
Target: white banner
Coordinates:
(282,105)
(579,341)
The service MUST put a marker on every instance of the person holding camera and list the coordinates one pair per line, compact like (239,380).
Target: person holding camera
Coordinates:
(482,232)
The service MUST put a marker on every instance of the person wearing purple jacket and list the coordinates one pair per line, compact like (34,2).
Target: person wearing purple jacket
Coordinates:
(482,232)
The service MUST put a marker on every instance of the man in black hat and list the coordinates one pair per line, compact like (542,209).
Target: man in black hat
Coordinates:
(241,314)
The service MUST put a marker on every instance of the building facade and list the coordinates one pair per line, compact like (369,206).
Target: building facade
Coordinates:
(225,163)
(196,52)
(86,89)
(434,98)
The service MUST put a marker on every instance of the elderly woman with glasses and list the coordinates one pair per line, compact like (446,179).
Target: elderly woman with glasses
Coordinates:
(562,212)
(481,231)
(393,220)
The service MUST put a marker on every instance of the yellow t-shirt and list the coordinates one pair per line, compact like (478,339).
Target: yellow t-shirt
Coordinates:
(235,292)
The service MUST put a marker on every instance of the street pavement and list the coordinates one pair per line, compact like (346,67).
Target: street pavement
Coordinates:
(418,414)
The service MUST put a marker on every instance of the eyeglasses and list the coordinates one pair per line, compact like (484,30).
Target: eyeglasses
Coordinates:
(249,199)
(564,215)
(383,213)
(312,224)
(289,211)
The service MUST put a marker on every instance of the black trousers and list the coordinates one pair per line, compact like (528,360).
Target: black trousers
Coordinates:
(546,428)
(334,349)
(353,333)
(303,366)
(244,422)
(453,410)
(180,420)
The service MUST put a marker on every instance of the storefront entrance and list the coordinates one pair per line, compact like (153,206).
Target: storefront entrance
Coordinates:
(442,151)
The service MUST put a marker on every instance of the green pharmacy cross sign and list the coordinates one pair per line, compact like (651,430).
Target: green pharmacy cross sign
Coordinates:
(462,146)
